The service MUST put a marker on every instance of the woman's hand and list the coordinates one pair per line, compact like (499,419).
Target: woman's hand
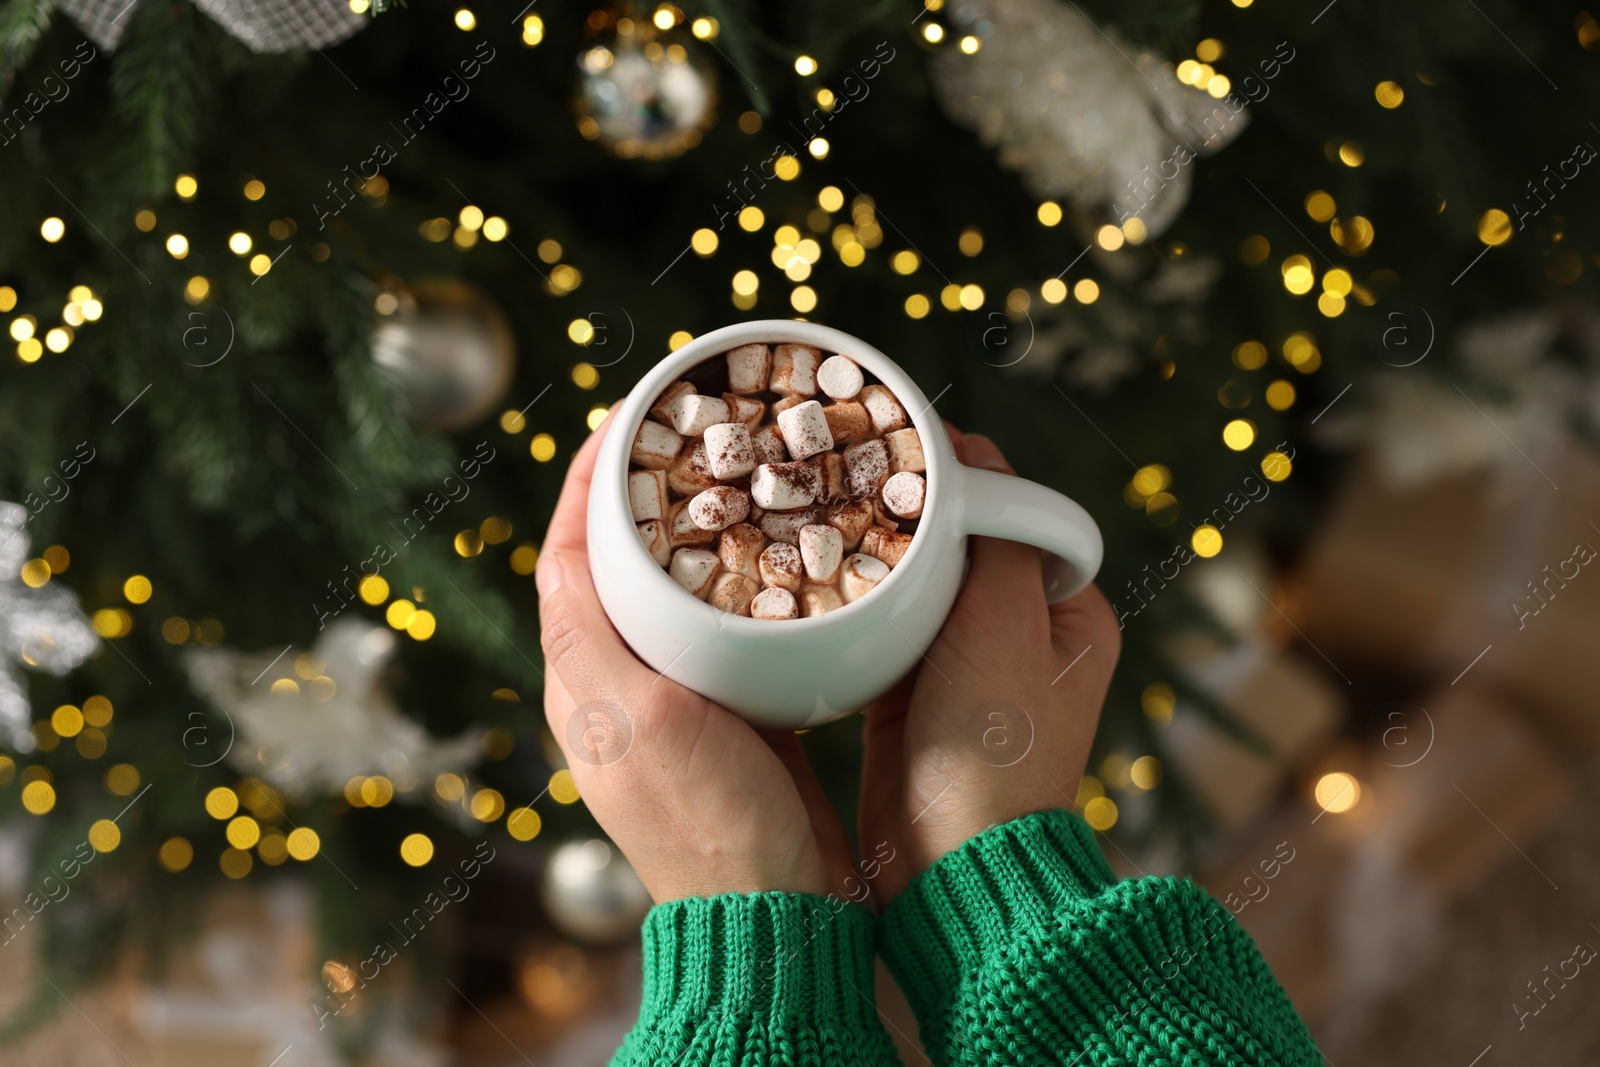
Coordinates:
(998,720)
(699,801)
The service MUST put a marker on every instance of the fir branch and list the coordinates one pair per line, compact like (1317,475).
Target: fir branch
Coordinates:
(161,82)
(743,37)
(22,23)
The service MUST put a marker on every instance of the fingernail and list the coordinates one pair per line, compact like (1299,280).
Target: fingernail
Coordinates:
(547,575)
(982,452)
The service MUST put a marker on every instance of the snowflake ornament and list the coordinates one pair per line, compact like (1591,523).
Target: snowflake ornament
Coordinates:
(41,628)
(307,723)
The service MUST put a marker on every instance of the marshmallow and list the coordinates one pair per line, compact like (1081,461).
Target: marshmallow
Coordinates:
(781,566)
(905,451)
(719,507)
(732,593)
(784,485)
(654,536)
(785,526)
(693,568)
(847,421)
(748,367)
(784,403)
(681,528)
(881,516)
(818,600)
(851,520)
(831,483)
(768,445)
(821,550)
(729,452)
(655,446)
(859,575)
(739,547)
(903,494)
(692,413)
(744,409)
(805,430)
(794,370)
(692,472)
(886,413)
(885,544)
(663,407)
(867,465)
(774,603)
(839,377)
(647,495)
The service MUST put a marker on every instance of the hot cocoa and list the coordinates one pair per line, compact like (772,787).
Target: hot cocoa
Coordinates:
(777,481)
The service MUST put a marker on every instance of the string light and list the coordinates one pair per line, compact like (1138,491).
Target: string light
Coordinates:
(1494,227)
(532,30)
(523,824)
(805,66)
(1206,540)
(563,790)
(1337,792)
(1158,702)
(465,20)
(1275,466)
(185,186)
(176,854)
(524,558)
(416,850)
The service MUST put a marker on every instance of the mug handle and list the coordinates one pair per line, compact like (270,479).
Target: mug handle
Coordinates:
(1003,505)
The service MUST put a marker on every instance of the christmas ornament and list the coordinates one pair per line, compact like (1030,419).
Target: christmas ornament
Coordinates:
(1423,428)
(1079,113)
(307,723)
(643,94)
(591,893)
(263,25)
(449,351)
(39,627)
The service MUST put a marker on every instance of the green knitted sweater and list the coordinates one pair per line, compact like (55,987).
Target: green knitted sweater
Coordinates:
(1019,949)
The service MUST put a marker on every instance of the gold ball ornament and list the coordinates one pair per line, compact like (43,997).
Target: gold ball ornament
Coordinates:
(643,92)
(449,351)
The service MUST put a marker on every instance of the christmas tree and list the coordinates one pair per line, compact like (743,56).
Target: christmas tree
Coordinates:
(311,304)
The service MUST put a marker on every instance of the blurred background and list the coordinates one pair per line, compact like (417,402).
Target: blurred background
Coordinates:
(310,303)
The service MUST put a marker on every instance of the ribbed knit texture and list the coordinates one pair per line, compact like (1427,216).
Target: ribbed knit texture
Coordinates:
(770,978)
(1020,947)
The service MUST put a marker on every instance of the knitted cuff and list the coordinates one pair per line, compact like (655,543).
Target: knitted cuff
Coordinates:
(1000,887)
(775,962)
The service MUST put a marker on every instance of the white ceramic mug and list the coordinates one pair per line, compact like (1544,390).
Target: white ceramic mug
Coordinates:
(798,673)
